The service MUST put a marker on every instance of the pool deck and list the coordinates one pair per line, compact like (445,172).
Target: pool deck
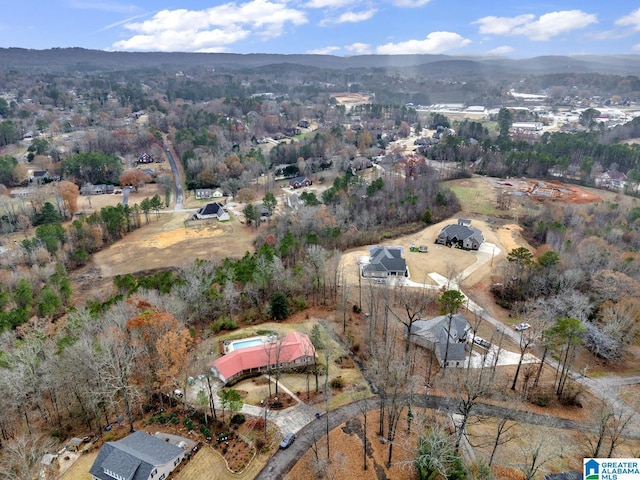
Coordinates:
(232,345)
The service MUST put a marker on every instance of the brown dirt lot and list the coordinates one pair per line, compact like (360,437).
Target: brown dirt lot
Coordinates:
(164,243)
(351,99)
(550,190)
(446,261)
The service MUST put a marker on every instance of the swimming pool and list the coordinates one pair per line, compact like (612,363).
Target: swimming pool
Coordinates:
(243,343)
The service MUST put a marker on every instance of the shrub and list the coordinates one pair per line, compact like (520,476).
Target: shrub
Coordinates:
(541,399)
(238,419)
(337,382)
(188,423)
(298,304)
(223,323)
(205,431)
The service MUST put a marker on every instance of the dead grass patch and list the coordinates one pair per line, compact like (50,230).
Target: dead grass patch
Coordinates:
(80,469)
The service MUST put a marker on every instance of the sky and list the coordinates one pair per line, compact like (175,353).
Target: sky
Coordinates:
(509,28)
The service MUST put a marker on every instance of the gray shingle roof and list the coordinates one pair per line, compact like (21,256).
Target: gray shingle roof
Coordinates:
(211,209)
(121,463)
(386,259)
(133,457)
(461,232)
(435,330)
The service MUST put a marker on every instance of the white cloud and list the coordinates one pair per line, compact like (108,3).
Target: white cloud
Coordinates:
(503,50)
(544,28)
(323,51)
(355,17)
(636,47)
(212,29)
(631,20)
(610,35)
(435,42)
(501,25)
(349,17)
(409,3)
(359,48)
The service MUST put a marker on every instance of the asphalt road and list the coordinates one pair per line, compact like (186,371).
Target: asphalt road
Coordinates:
(176,177)
(284,460)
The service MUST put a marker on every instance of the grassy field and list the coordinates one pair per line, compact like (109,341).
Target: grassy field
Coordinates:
(207,464)
(80,469)
(479,197)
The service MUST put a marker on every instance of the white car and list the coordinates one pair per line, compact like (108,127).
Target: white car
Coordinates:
(522,326)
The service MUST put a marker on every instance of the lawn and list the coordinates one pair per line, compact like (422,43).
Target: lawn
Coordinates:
(477,196)
(208,464)
(80,469)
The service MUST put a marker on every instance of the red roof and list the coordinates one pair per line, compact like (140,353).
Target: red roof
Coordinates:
(292,347)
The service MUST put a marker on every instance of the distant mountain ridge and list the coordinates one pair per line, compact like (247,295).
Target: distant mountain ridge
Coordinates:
(80,59)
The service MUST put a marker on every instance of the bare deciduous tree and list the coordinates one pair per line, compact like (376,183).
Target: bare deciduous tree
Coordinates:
(540,449)
(415,303)
(21,458)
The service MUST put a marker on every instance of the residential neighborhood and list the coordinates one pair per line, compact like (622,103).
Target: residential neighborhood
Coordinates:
(316,266)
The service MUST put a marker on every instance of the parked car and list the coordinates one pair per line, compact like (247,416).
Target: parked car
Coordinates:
(482,342)
(522,326)
(287,440)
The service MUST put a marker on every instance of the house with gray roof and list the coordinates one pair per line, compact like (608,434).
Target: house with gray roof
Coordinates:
(213,210)
(461,235)
(139,456)
(434,334)
(385,262)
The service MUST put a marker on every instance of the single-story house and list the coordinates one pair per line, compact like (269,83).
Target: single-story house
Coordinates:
(208,193)
(434,334)
(299,182)
(292,351)
(38,176)
(100,189)
(139,456)
(213,210)
(384,262)
(462,235)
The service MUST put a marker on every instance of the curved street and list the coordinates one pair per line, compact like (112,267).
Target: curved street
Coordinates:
(284,460)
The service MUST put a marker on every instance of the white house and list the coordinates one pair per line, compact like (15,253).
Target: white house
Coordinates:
(213,210)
